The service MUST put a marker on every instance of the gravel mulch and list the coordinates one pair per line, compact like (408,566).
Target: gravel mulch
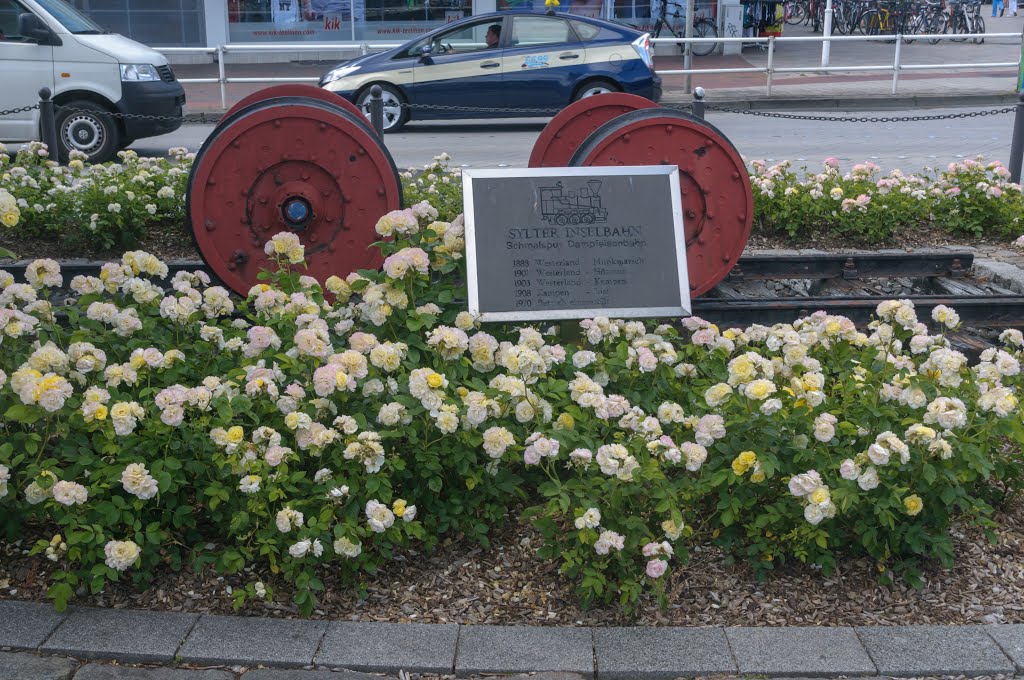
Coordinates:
(506,584)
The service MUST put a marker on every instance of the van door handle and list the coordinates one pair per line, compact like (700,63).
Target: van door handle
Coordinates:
(569,55)
(490,64)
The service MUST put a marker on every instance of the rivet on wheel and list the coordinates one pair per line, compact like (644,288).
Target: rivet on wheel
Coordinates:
(211,182)
(277,123)
(210,225)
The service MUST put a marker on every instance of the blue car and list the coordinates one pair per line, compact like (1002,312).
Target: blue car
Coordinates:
(504,60)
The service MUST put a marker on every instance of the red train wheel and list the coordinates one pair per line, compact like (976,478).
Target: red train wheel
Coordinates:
(297,90)
(290,164)
(566,131)
(718,203)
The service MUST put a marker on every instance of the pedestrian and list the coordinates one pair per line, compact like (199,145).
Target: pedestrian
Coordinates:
(997,6)
(1012,5)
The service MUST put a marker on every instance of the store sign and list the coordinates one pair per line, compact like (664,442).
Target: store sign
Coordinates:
(574,243)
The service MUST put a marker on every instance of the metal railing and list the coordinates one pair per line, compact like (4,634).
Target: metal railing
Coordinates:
(895,67)
(769,69)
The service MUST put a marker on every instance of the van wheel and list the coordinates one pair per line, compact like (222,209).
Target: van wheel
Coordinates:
(85,127)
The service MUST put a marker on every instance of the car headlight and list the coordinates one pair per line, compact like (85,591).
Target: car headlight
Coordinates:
(136,72)
(339,73)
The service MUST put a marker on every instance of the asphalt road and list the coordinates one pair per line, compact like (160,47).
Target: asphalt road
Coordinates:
(909,146)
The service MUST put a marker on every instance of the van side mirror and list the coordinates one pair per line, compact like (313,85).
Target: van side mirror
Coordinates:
(32,27)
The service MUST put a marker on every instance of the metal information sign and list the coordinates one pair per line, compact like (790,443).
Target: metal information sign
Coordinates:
(574,243)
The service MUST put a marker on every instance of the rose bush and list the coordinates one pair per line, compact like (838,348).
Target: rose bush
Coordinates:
(971,198)
(325,425)
(95,207)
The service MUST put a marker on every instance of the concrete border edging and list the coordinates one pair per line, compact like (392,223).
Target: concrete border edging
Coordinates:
(613,653)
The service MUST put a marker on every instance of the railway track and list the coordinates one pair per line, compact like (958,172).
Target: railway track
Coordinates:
(845,284)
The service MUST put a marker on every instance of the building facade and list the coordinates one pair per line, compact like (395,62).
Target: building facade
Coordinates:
(208,23)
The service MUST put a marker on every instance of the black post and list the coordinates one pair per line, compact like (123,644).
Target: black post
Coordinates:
(377,110)
(47,124)
(1017,145)
(697,107)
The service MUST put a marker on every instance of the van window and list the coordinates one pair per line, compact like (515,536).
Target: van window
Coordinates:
(539,30)
(9,11)
(70,18)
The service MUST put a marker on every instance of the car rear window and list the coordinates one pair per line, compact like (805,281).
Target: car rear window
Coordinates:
(533,30)
(584,30)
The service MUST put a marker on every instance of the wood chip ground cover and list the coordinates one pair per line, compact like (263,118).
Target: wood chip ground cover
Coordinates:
(507,584)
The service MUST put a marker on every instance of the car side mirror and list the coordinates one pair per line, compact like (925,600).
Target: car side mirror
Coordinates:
(32,27)
(426,50)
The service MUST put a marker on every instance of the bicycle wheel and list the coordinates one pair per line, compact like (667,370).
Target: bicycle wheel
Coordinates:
(795,12)
(914,26)
(704,28)
(978,27)
(870,23)
(932,26)
(955,25)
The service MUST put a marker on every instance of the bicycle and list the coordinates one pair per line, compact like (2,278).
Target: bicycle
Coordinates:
(703,27)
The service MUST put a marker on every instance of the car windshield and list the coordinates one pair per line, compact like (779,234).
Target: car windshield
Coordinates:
(70,18)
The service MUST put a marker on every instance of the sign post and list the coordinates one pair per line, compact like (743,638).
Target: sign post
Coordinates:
(574,243)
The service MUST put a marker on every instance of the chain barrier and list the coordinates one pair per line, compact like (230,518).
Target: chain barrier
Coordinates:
(122,116)
(23,109)
(475,109)
(859,119)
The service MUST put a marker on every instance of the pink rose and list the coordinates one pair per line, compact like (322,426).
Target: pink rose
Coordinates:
(655,568)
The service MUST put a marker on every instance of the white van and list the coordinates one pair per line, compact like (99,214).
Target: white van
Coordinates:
(91,73)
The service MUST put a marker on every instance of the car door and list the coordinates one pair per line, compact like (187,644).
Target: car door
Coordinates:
(459,70)
(27,67)
(543,60)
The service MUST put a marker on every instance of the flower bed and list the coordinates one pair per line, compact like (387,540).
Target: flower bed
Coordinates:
(96,208)
(307,429)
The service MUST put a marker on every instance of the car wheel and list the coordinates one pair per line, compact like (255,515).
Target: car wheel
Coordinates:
(396,112)
(595,87)
(84,126)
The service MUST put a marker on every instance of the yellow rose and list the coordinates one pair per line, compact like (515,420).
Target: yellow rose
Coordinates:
(729,334)
(280,247)
(399,507)
(759,389)
(235,434)
(341,379)
(10,219)
(747,458)
(566,421)
(120,410)
(100,413)
(296,255)
(292,420)
(832,327)
(462,391)
(757,477)
(820,496)
(435,380)
(913,504)
(137,362)
(738,467)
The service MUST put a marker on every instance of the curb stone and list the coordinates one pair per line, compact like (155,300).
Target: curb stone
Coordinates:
(520,649)
(131,635)
(546,653)
(26,625)
(661,653)
(911,651)
(252,640)
(809,651)
(389,647)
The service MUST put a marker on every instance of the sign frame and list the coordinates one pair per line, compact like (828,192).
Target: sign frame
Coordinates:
(679,241)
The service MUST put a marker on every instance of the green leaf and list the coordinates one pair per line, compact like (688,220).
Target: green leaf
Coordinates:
(22,413)
(61,594)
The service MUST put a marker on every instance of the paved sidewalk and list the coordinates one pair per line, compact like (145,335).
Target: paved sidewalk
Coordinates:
(169,638)
(812,89)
